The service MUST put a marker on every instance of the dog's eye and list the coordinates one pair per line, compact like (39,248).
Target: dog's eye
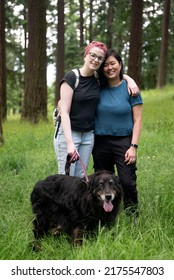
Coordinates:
(101,184)
(112,183)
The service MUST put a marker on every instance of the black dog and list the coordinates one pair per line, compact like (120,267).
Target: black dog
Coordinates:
(70,204)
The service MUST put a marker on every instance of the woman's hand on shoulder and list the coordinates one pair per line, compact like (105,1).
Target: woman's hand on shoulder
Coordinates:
(132,87)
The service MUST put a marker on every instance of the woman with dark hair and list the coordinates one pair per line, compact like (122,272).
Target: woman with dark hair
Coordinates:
(75,135)
(118,124)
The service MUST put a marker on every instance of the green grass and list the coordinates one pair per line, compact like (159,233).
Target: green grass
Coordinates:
(28,156)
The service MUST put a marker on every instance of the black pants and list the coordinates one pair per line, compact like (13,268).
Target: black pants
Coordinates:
(108,152)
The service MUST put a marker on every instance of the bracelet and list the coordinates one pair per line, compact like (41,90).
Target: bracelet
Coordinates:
(134,145)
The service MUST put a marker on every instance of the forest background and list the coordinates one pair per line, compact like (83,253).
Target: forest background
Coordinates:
(36,34)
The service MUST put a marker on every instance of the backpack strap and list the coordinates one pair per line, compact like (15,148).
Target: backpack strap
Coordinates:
(76,72)
(97,77)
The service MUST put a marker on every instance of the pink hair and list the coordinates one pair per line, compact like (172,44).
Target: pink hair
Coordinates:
(95,44)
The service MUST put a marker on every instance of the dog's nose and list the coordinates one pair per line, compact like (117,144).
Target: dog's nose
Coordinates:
(108,197)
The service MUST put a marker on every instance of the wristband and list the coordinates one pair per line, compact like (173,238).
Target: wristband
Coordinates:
(134,145)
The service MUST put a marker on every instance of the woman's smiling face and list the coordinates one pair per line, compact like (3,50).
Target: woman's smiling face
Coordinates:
(111,68)
(94,58)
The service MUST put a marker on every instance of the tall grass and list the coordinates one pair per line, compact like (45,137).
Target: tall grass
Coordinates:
(28,156)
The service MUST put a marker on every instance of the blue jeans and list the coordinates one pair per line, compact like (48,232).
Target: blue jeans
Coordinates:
(84,142)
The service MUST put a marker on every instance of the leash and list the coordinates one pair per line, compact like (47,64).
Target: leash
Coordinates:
(84,170)
(71,159)
(58,125)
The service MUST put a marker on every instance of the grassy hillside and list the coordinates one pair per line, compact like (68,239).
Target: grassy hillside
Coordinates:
(28,156)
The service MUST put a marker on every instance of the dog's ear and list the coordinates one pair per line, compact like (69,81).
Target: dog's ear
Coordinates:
(117,180)
(92,182)
(118,184)
(84,181)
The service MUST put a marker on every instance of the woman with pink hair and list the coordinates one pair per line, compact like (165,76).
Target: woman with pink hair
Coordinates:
(78,105)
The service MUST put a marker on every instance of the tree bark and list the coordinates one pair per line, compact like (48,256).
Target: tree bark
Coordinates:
(35,98)
(81,23)
(60,49)
(110,24)
(134,61)
(162,70)
(3,96)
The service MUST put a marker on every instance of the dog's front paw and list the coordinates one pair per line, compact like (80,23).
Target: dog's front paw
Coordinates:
(36,246)
(78,242)
(57,230)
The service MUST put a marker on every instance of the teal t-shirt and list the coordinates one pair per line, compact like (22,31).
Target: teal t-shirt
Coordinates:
(114,111)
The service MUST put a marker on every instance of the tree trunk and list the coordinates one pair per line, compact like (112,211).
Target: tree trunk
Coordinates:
(110,24)
(60,49)
(134,61)
(35,98)
(1,130)
(90,21)
(81,23)
(162,70)
(3,97)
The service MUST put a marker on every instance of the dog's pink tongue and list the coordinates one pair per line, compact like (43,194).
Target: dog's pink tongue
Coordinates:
(108,206)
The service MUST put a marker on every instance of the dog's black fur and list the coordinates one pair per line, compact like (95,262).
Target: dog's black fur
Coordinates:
(70,204)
